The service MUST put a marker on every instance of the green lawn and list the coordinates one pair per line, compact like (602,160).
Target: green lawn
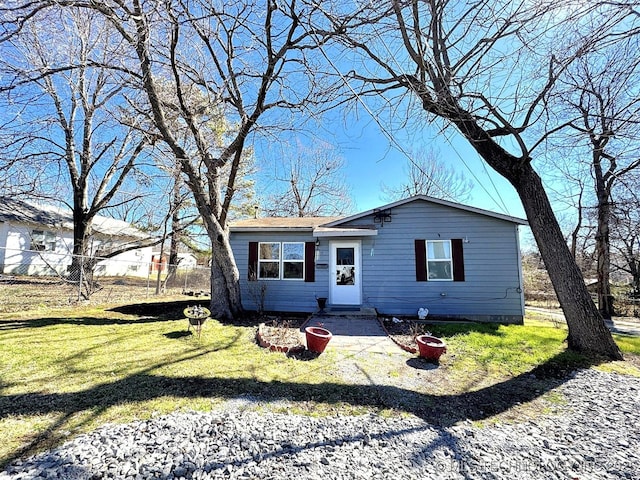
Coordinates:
(68,371)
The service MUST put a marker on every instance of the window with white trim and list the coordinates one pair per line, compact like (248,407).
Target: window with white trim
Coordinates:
(439,260)
(281,260)
(293,260)
(43,241)
(269,261)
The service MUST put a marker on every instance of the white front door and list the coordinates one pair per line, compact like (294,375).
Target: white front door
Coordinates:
(345,276)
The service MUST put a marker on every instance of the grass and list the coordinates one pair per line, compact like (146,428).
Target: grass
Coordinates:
(67,371)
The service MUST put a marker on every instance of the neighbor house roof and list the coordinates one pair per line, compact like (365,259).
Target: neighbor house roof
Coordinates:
(14,210)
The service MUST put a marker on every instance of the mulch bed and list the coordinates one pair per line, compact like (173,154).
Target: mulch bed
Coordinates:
(404,332)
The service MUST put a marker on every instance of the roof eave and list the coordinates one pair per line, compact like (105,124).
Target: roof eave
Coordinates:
(270,229)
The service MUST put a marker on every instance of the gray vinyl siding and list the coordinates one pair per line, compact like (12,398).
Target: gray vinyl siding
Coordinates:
(491,289)
(281,295)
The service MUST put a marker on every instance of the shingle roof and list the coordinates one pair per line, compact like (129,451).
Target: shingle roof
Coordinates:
(282,223)
(312,223)
(14,210)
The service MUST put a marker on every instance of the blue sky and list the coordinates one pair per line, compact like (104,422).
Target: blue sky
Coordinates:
(372,159)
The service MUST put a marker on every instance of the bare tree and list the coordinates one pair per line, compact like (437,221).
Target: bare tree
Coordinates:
(251,58)
(426,174)
(483,67)
(599,92)
(67,123)
(308,183)
(625,235)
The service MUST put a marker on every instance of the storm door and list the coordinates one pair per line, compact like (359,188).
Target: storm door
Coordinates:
(345,274)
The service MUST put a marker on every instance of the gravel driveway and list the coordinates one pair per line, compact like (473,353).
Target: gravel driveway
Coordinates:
(595,435)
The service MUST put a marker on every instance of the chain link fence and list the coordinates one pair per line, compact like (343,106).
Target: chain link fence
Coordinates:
(32,279)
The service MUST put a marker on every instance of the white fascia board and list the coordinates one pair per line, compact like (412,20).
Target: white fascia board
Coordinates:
(344,232)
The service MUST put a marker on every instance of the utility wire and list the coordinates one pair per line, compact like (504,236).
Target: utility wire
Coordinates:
(400,148)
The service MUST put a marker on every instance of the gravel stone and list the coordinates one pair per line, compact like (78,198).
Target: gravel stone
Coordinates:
(595,436)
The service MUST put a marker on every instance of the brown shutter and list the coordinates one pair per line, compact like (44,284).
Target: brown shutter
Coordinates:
(421,260)
(458,260)
(310,261)
(252,272)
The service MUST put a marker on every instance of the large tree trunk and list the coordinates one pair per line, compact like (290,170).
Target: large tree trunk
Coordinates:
(587,331)
(225,281)
(81,224)
(226,301)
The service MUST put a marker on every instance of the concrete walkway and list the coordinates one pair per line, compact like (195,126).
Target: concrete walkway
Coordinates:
(355,333)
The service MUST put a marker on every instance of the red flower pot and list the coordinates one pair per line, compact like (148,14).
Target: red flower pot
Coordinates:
(430,347)
(317,338)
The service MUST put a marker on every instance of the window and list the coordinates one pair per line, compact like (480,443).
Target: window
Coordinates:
(439,260)
(43,241)
(281,261)
(269,261)
(293,261)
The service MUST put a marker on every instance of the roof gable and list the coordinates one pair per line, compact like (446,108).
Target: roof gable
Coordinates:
(425,198)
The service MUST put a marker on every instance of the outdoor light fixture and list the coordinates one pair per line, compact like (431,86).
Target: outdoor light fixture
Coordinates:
(381,216)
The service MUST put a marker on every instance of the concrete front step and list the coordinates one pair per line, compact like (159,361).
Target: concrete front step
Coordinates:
(343,310)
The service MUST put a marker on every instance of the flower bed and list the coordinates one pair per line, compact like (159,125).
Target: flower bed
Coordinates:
(281,334)
(403,332)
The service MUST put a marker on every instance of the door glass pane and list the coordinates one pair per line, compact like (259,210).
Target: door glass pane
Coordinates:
(345,256)
(345,263)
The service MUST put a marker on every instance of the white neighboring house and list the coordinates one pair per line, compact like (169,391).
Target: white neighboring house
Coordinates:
(38,240)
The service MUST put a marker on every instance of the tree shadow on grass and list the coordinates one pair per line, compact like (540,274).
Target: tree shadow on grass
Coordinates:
(159,309)
(440,410)
(83,320)
(175,309)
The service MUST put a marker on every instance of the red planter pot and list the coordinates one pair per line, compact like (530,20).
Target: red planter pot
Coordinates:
(430,347)
(317,338)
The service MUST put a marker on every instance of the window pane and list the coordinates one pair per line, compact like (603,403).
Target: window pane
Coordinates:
(439,250)
(43,240)
(293,251)
(439,270)
(346,275)
(270,251)
(345,256)
(293,270)
(269,270)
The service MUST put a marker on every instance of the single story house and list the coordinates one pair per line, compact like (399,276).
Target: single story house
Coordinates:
(38,240)
(420,252)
